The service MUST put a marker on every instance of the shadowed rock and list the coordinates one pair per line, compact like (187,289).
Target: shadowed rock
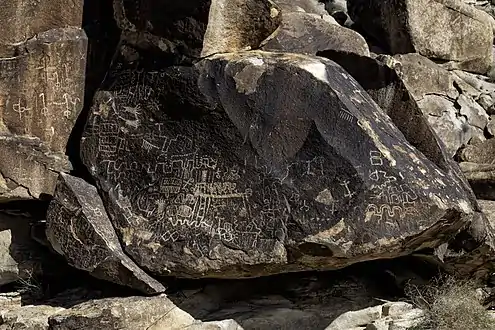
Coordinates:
(23,19)
(79,229)
(297,169)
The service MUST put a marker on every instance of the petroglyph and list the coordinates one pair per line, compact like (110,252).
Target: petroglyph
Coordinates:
(391,199)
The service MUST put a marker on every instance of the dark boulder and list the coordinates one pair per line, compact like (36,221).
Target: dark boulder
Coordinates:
(79,229)
(296,169)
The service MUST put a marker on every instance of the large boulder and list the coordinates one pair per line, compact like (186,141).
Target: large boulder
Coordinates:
(446,30)
(297,169)
(239,25)
(79,229)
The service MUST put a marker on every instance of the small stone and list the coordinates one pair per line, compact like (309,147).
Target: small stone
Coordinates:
(91,243)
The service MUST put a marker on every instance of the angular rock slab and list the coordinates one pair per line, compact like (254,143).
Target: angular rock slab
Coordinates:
(481,177)
(239,25)
(79,229)
(447,30)
(300,170)
(41,96)
(307,33)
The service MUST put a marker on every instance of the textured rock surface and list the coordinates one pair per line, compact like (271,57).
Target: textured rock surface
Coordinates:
(79,229)
(41,96)
(241,196)
(239,25)
(306,33)
(308,6)
(446,30)
(383,80)
(399,85)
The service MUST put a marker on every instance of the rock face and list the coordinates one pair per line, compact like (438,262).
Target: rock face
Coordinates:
(275,183)
(399,85)
(79,229)
(41,94)
(447,30)
(307,33)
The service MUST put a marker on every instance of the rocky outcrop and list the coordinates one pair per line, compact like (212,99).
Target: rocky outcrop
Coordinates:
(455,116)
(445,30)
(234,139)
(31,317)
(109,313)
(79,229)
